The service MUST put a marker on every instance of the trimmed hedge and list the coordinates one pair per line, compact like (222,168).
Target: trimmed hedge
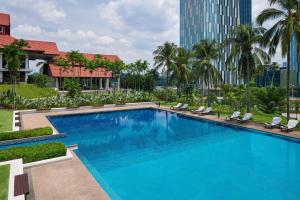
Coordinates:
(34,153)
(25,133)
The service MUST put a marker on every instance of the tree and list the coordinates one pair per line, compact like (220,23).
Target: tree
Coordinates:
(180,68)
(164,57)
(273,67)
(63,65)
(244,41)
(76,59)
(13,54)
(117,67)
(205,53)
(138,69)
(285,17)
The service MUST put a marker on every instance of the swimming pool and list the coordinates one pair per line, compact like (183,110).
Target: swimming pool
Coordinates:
(152,154)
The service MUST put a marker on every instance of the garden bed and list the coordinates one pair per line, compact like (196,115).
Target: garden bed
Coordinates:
(26,133)
(34,153)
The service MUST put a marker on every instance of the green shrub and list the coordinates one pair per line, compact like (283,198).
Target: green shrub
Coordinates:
(270,100)
(38,79)
(34,153)
(25,133)
(73,86)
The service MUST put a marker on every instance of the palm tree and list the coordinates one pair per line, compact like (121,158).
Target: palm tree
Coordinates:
(42,65)
(286,18)
(205,54)
(244,41)
(164,57)
(180,68)
(13,54)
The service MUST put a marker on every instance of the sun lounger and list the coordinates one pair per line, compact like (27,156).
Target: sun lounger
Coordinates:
(246,118)
(235,115)
(177,106)
(275,123)
(290,126)
(200,109)
(184,107)
(206,111)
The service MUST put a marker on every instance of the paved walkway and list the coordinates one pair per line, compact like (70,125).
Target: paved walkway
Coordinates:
(65,180)
(276,131)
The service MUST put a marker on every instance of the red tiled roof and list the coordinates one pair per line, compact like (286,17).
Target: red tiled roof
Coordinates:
(56,72)
(76,71)
(4,19)
(91,56)
(47,47)
(44,47)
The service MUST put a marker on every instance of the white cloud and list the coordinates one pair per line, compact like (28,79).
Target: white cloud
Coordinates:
(27,30)
(130,28)
(46,9)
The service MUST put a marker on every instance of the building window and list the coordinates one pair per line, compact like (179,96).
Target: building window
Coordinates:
(2,29)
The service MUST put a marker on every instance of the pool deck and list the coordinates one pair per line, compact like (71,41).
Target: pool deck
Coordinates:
(67,180)
(70,179)
(251,125)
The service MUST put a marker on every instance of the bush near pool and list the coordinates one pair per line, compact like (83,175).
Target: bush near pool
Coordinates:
(34,153)
(25,133)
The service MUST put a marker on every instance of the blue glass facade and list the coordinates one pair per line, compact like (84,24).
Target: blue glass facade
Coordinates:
(212,19)
(245,11)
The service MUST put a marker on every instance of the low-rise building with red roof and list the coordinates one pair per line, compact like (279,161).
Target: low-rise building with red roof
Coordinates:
(48,51)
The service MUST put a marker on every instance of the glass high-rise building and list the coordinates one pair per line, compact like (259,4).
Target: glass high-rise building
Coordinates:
(212,19)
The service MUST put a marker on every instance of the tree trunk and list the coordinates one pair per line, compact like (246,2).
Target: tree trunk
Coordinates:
(14,92)
(288,83)
(272,83)
(208,92)
(248,85)
(203,90)
(119,81)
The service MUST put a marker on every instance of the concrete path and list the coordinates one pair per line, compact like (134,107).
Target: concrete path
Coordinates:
(65,180)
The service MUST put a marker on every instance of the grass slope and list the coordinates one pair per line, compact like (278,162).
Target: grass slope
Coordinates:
(30,90)
(4,178)
(5,120)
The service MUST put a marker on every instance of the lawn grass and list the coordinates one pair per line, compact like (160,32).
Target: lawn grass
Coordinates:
(4,179)
(5,120)
(30,90)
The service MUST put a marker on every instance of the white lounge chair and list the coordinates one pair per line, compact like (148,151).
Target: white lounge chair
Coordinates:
(290,126)
(235,115)
(246,118)
(206,111)
(275,122)
(184,107)
(200,109)
(177,106)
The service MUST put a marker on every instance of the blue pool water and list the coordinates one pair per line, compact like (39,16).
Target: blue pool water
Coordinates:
(156,155)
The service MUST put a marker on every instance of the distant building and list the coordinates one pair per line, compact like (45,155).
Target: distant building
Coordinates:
(212,20)
(269,78)
(48,51)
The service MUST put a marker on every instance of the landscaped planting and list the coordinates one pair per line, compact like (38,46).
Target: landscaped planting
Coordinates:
(82,100)
(25,133)
(34,153)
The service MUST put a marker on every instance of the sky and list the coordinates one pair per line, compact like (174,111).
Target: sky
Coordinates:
(131,29)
